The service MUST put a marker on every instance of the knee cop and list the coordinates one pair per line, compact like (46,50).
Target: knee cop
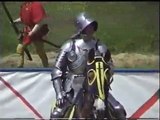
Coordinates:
(56,113)
(59,112)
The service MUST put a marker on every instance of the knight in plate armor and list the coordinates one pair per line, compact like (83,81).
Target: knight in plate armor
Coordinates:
(68,73)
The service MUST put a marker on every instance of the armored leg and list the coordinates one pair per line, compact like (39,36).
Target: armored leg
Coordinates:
(117,109)
(56,113)
(59,112)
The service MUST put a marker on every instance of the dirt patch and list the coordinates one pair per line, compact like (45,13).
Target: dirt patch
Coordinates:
(136,60)
(122,60)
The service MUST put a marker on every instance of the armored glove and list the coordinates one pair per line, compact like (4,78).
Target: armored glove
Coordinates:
(60,99)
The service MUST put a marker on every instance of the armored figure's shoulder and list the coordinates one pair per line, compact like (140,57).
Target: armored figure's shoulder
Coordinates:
(79,41)
(67,46)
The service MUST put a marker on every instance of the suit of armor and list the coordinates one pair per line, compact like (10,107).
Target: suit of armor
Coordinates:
(68,74)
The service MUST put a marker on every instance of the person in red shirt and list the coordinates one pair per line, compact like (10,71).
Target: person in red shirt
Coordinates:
(32,15)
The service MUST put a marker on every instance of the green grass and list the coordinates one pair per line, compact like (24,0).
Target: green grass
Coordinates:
(123,26)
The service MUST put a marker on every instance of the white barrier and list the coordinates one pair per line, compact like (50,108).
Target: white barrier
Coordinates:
(30,94)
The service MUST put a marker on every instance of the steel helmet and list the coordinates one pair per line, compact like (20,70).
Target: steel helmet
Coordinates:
(82,21)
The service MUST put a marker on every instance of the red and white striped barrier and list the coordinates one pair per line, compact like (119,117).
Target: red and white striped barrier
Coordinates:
(26,94)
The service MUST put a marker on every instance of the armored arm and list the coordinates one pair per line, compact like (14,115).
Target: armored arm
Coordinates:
(59,70)
(57,82)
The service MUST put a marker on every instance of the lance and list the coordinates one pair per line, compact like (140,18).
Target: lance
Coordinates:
(50,43)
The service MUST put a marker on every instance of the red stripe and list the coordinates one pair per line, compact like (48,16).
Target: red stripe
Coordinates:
(146,106)
(21,98)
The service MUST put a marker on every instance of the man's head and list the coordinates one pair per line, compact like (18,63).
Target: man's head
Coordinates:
(85,24)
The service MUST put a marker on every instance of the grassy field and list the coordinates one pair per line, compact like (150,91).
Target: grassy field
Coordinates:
(131,27)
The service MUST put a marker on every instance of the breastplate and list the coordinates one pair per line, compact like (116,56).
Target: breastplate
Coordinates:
(78,57)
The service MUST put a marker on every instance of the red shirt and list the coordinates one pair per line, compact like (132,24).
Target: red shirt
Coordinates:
(32,13)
